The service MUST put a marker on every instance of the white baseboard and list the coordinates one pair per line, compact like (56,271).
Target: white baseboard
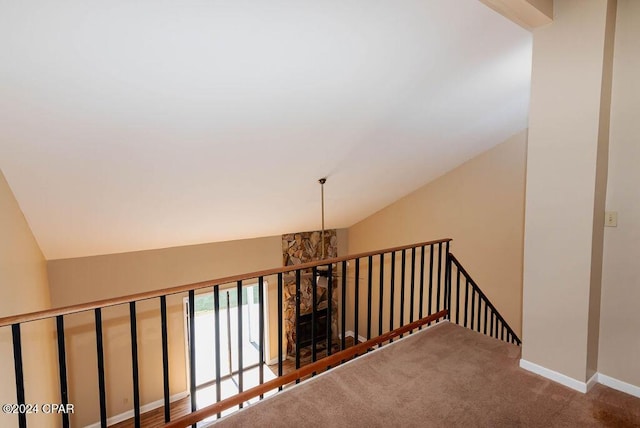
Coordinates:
(592,382)
(275,360)
(559,377)
(143,409)
(619,385)
(350,333)
(583,387)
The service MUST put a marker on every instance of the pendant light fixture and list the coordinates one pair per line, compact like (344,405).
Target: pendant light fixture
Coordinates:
(322,271)
(322,181)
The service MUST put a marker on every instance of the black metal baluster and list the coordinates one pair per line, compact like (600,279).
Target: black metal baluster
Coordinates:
(495,328)
(369,292)
(447,281)
(229,346)
(192,350)
(314,308)
(329,308)
(492,313)
(457,295)
(100,355)
(298,321)
(501,330)
(420,313)
(134,363)
(261,331)
(473,306)
(439,278)
(445,291)
(466,300)
(356,302)
(343,307)
(381,296)
(392,291)
(491,328)
(431,247)
(240,353)
(62,366)
(216,333)
(280,304)
(17,362)
(413,280)
(478,314)
(484,327)
(403,265)
(165,358)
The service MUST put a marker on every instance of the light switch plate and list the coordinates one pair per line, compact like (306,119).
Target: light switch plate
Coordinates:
(611,218)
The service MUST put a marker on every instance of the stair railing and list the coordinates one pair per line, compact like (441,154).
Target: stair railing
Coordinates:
(472,309)
(378,293)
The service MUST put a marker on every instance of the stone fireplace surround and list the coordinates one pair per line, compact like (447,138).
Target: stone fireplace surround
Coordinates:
(304,247)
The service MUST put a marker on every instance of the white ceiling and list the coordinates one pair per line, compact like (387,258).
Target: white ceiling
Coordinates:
(129,125)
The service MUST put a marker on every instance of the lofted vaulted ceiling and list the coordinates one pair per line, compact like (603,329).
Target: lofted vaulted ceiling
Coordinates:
(130,125)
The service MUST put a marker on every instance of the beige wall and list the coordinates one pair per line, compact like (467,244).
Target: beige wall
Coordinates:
(602,164)
(24,288)
(619,354)
(564,201)
(480,205)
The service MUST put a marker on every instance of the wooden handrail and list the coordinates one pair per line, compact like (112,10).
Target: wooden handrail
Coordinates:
(82,307)
(323,363)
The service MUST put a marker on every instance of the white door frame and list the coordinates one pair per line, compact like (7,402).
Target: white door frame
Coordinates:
(185,308)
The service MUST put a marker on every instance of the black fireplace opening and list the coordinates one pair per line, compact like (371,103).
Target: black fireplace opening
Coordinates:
(305,327)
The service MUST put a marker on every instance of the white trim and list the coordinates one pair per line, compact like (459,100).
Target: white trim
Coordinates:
(350,333)
(267,327)
(592,381)
(267,342)
(275,360)
(265,301)
(619,385)
(583,387)
(143,409)
(555,376)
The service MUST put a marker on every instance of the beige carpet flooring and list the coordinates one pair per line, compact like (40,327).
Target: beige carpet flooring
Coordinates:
(446,376)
